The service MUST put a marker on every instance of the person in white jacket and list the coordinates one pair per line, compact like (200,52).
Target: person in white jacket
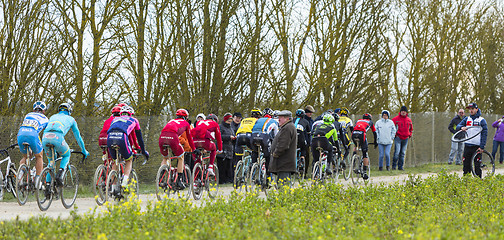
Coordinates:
(385,130)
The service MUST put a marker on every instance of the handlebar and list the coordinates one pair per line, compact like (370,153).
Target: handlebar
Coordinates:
(6,150)
(77,152)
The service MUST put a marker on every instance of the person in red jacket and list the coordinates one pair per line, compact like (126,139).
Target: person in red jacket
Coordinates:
(404,127)
(204,133)
(170,136)
(102,139)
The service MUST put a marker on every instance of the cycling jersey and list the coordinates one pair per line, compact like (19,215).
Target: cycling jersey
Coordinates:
(359,134)
(246,125)
(132,132)
(363,125)
(102,139)
(170,136)
(346,122)
(208,129)
(266,125)
(32,125)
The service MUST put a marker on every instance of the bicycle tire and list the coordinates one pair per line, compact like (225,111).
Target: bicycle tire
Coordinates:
(301,168)
(23,184)
(335,168)
(44,189)
(254,178)
(213,183)
(68,191)
(317,173)
(466,139)
(239,181)
(487,164)
(197,186)
(133,186)
(11,181)
(100,184)
(355,165)
(347,170)
(113,187)
(162,182)
(3,186)
(186,193)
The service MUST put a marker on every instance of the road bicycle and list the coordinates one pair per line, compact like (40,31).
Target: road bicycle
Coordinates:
(114,188)
(299,175)
(357,165)
(258,180)
(482,163)
(341,166)
(47,187)
(8,183)
(319,174)
(166,179)
(201,179)
(25,181)
(242,171)
(100,177)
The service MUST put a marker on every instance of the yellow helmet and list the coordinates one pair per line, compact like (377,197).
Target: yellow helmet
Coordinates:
(256,113)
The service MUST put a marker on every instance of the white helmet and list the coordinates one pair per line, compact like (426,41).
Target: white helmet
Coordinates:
(66,107)
(39,105)
(127,109)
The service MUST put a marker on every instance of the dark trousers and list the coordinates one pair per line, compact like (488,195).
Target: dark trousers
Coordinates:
(496,145)
(324,143)
(469,151)
(225,170)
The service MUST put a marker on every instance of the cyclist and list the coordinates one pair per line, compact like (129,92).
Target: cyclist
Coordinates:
(263,132)
(347,126)
(319,118)
(476,144)
(203,135)
(118,134)
(32,125)
(359,133)
(102,140)
(325,136)
(303,132)
(244,132)
(170,136)
(58,126)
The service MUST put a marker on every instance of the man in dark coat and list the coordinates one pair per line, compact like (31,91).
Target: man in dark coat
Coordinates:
(225,159)
(283,149)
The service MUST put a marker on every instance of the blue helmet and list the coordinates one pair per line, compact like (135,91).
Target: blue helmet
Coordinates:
(300,112)
(66,107)
(39,105)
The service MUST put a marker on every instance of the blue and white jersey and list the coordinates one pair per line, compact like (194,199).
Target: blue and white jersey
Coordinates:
(266,125)
(34,121)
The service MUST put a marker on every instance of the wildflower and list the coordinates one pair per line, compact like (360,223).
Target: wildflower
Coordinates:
(400,231)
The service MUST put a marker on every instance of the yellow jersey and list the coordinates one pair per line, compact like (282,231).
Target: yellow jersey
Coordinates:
(246,125)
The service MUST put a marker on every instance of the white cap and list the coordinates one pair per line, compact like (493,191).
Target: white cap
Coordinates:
(201,115)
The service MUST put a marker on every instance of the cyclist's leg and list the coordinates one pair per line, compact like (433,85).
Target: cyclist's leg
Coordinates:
(164,139)
(210,146)
(265,146)
(364,148)
(22,138)
(315,153)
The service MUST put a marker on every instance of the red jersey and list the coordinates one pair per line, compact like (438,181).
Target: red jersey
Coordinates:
(106,126)
(208,129)
(364,125)
(179,126)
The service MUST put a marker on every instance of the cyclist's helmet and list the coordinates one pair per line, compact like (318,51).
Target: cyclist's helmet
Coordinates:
(328,118)
(39,105)
(268,111)
(213,117)
(122,104)
(344,111)
(256,113)
(275,113)
(126,110)
(337,110)
(65,107)
(367,116)
(182,113)
(336,116)
(300,113)
(116,110)
(132,110)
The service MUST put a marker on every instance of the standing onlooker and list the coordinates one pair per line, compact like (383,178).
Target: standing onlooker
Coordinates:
(309,110)
(456,148)
(237,117)
(225,159)
(283,149)
(404,132)
(477,144)
(385,133)
(498,139)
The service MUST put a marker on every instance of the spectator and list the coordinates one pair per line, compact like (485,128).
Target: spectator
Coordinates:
(477,144)
(283,149)
(456,148)
(404,132)
(237,117)
(225,159)
(385,133)
(498,139)
(309,110)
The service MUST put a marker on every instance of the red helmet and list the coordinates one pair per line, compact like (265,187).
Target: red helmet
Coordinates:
(116,109)
(122,104)
(182,113)
(367,116)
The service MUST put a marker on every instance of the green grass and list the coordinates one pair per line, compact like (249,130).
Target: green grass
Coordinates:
(444,206)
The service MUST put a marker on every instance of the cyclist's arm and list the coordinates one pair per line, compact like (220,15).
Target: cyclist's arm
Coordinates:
(189,137)
(140,139)
(218,137)
(78,137)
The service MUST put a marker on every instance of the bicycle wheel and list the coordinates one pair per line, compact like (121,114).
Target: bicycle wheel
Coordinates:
(197,186)
(133,188)
(464,134)
(162,179)
(11,181)
(100,184)
(213,183)
(113,187)
(335,168)
(44,189)
(482,164)
(301,164)
(266,181)
(355,169)
(254,180)
(68,192)
(317,173)
(185,194)
(23,184)
(2,186)
(240,181)
(346,166)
